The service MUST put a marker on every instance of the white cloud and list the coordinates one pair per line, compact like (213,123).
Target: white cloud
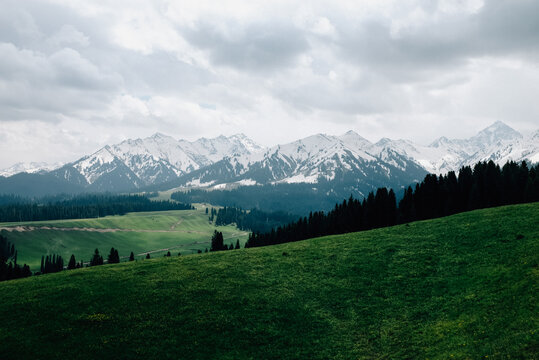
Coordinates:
(70,36)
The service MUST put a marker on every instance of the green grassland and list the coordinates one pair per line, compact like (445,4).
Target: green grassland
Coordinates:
(184,231)
(461,287)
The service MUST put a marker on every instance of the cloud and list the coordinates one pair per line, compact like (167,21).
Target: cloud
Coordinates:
(36,86)
(69,35)
(433,40)
(256,47)
(276,70)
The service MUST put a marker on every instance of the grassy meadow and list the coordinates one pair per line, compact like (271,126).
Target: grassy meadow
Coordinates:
(185,231)
(461,287)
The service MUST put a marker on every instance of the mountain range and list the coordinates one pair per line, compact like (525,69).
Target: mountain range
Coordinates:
(160,162)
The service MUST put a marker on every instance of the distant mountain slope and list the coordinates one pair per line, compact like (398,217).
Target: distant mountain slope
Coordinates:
(460,287)
(30,168)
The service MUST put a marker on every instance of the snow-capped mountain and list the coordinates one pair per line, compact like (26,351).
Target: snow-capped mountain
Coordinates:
(159,158)
(30,168)
(497,142)
(349,160)
(316,158)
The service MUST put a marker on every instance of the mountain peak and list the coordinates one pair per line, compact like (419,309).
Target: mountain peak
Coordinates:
(440,142)
(238,136)
(160,136)
(354,140)
(498,131)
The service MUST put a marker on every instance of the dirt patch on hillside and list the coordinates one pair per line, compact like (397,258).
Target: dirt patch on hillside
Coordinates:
(98,230)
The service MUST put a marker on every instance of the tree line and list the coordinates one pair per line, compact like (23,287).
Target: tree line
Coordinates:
(81,207)
(218,243)
(253,220)
(9,269)
(486,185)
(296,198)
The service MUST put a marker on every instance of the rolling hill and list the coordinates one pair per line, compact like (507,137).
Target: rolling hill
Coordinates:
(463,286)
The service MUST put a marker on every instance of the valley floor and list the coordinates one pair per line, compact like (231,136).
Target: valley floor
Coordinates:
(185,231)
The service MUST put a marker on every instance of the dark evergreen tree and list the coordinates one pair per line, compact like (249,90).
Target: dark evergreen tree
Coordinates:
(9,269)
(72,263)
(52,263)
(237,243)
(147,255)
(217,241)
(168,254)
(114,257)
(131,256)
(96,259)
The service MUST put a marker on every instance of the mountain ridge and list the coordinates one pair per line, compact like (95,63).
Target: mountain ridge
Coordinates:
(160,160)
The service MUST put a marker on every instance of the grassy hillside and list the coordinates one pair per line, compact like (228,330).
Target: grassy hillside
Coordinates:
(184,231)
(459,287)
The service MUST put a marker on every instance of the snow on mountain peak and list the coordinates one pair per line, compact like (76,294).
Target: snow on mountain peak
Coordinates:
(494,133)
(442,141)
(31,168)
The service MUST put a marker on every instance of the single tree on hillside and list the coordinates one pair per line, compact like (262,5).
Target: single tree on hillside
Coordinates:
(72,263)
(96,259)
(217,242)
(114,257)
(131,256)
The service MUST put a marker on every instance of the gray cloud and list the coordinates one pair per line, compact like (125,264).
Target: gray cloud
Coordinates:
(422,51)
(257,47)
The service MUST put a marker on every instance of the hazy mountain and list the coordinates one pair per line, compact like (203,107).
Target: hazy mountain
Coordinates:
(30,168)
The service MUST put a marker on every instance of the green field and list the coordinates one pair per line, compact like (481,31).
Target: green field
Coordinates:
(184,231)
(461,287)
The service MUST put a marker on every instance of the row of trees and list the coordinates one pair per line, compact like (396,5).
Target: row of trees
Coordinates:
(52,263)
(218,243)
(253,220)
(9,269)
(297,198)
(80,207)
(486,185)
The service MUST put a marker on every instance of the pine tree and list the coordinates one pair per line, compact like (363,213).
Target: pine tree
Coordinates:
(168,254)
(114,257)
(96,259)
(147,255)
(131,256)
(72,263)
(237,243)
(217,241)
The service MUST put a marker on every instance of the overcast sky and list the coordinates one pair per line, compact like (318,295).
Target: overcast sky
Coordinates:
(77,74)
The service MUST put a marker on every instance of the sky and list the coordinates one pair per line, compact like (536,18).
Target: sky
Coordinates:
(76,75)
